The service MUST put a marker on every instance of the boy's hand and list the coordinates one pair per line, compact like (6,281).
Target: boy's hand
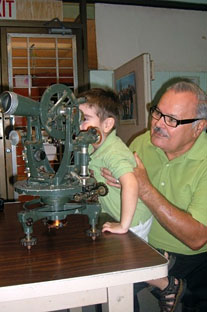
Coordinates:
(114,227)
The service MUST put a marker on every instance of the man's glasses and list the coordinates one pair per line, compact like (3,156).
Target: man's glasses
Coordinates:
(170,121)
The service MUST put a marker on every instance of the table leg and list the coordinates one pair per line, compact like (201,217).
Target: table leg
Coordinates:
(120,299)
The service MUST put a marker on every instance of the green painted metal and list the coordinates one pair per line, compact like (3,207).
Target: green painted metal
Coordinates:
(70,189)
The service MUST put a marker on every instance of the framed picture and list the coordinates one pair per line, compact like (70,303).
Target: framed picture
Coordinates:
(132,81)
(126,89)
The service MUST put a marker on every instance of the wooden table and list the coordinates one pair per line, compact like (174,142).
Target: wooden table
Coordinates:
(67,269)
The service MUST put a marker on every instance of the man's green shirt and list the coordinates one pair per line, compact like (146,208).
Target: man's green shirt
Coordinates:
(183,181)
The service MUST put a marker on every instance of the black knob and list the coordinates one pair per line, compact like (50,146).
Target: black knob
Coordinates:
(29,222)
(40,155)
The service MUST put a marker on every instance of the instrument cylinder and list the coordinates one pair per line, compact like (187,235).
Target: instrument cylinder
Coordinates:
(84,161)
(14,104)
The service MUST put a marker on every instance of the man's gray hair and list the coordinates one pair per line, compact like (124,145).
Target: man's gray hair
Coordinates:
(187,86)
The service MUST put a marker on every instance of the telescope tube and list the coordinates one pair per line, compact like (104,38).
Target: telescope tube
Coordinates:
(18,105)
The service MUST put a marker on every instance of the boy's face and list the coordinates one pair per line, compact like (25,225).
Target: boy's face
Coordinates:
(92,120)
(90,117)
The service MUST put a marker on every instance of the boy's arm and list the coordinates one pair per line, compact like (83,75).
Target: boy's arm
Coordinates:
(129,197)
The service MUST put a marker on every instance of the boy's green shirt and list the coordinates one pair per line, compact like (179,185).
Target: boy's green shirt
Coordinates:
(116,156)
(183,181)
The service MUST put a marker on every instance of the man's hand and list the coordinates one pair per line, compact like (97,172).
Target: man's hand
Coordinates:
(110,180)
(142,177)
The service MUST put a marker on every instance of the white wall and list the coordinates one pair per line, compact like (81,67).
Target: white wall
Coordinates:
(176,39)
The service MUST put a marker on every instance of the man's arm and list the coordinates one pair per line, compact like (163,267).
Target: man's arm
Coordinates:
(179,223)
(129,197)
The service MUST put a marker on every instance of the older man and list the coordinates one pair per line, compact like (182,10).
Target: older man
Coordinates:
(174,185)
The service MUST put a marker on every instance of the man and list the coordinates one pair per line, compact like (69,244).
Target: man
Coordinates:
(172,176)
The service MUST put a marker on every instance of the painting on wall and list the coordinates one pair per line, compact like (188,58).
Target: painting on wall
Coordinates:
(132,81)
(126,89)
(127,86)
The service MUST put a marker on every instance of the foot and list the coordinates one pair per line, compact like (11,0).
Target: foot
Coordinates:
(170,297)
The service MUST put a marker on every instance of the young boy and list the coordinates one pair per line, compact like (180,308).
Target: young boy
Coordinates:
(101,110)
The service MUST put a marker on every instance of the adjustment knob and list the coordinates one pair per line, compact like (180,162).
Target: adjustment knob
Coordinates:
(40,155)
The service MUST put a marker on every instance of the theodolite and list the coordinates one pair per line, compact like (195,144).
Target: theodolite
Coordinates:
(68,190)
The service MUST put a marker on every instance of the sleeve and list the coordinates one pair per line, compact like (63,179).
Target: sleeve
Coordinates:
(120,162)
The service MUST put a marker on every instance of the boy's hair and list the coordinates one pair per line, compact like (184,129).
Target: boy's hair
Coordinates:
(106,102)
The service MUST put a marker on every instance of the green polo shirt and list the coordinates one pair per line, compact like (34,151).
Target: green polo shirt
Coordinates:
(116,156)
(183,181)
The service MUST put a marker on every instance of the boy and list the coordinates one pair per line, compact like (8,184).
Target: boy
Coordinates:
(101,110)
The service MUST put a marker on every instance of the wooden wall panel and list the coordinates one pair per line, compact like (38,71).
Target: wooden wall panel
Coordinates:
(91,39)
(92,49)
(41,10)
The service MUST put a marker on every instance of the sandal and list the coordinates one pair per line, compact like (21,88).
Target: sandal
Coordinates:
(170,304)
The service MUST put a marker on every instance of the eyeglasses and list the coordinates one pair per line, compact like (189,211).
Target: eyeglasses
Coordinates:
(170,121)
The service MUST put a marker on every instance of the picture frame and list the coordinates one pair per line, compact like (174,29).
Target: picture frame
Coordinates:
(126,89)
(126,86)
(137,71)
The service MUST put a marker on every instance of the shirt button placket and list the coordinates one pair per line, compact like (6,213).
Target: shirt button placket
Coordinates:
(162,183)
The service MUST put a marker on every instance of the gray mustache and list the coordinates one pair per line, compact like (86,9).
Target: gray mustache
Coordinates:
(160,131)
